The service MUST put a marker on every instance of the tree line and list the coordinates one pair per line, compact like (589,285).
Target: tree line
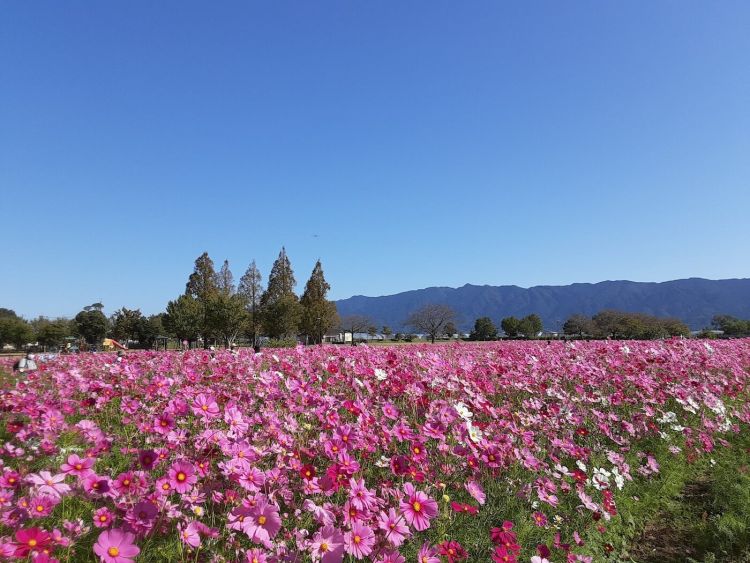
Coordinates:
(211,309)
(605,324)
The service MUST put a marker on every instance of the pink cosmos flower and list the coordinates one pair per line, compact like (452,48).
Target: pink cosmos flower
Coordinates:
(163,424)
(205,406)
(359,541)
(428,554)
(41,506)
(116,546)
(394,526)
(256,556)
(189,534)
(418,508)
(48,484)
(182,476)
(77,466)
(102,518)
(328,545)
(360,496)
(6,496)
(476,491)
(539,519)
(390,557)
(263,523)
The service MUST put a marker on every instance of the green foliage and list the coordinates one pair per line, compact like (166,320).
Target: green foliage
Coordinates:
(319,315)
(183,318)
(50,333)
(281,312)
(91,324)
(125,324)
(281,343)
(511,326)
(281,318)
(530,326)
(621,324)
(484,329)
(731,326)
(16,331)
(227,315)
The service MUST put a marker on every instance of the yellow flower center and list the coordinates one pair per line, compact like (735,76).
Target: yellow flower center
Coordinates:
(78,466)
(204,407)
(324,547)
(102,518)
(126,482)
(181,476)
(261,520)
(357,539)
(417,506)
(32,542)
(165,486)
(39,508)
(113,551)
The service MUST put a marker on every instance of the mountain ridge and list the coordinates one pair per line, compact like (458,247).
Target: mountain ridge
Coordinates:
(693,300)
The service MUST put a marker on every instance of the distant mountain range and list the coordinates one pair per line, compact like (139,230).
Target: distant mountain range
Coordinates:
(695,301)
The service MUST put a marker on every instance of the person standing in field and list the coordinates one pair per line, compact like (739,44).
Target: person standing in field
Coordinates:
(27,363)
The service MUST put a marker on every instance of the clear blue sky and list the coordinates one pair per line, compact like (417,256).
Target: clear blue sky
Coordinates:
(425,143)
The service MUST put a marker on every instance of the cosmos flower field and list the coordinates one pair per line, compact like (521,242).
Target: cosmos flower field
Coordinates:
(510,451)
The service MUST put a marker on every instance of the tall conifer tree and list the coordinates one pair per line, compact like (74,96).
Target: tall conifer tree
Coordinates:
(318,314)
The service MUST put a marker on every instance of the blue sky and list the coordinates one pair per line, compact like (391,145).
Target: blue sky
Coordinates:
(425,143)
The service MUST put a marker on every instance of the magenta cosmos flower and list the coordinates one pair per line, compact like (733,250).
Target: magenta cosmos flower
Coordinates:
(182,476)
(77,466)
(418,509)
(116,546)
(31,539)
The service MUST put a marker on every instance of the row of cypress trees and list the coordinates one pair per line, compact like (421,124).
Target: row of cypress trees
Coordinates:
(212,307)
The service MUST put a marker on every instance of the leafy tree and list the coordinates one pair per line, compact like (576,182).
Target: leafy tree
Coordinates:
(607,324)
(281,311)
(319,315)
(281,318)
(51,333)
(7,313)
(184,318)
(148,329)
(91,323)
(202,285)
(372,331)
(355,324)
(511,326)
(251,290)
(484,329)
(16,331)
(125,324)
(431,319)
(578,325)
(227,315)
(387,332)
(530,326)
(731,326)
